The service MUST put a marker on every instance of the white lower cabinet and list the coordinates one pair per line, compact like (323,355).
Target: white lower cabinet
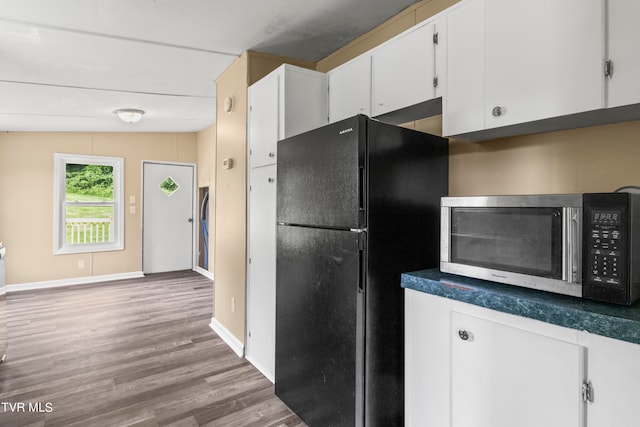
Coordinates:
(468,366)
(614,370)
(261,298)
(503,376)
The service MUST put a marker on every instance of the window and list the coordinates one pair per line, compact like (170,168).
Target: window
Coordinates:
(88,199)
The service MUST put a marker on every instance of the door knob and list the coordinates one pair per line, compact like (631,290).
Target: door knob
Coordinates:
(190,220)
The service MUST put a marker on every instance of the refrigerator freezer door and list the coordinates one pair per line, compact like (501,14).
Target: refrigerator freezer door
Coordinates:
(319,325)
(321,176)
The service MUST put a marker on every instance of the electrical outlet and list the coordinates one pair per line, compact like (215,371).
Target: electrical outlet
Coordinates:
(233,305)
(81,264)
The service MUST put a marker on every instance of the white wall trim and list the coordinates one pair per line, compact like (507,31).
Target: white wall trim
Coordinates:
(205,273)
(72,281)
(227,337)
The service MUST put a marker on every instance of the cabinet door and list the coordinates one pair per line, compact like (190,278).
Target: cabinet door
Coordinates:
(502,376)
(427,361)
(402,71)
(263,120)
(463,102)
(614,369)
(542,59)
(261,289)
(350,89)
(303,101)
(440,46)
(624,33)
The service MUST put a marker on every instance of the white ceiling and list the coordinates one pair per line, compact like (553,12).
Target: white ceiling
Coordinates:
(67,65)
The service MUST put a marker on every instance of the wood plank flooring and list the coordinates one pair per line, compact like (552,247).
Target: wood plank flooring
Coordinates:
(128,353)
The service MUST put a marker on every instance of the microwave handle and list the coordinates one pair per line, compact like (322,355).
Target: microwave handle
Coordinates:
(572,236)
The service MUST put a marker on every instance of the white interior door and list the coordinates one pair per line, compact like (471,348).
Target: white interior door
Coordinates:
(167,224)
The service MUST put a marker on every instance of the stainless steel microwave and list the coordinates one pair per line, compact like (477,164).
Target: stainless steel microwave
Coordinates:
(584,245)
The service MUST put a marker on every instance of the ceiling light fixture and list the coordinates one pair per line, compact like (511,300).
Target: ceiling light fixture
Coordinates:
(130,115)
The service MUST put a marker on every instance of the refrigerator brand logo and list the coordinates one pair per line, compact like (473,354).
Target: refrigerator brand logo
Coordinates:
(345,131)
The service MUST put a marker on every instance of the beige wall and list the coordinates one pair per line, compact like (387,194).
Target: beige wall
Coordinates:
(231,206)
(26,198)
(593,159)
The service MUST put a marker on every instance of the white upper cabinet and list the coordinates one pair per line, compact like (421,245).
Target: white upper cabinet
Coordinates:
(350,89)
(463,102)
(263,120)
(623,38)
(542,59)
(516,62)
(288,101)
(403,70)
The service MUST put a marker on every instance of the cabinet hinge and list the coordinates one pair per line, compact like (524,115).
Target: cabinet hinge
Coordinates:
(249,260)
(250,151)
(587,391)
(435,38)
(608,68)
(435,81)
(250,188)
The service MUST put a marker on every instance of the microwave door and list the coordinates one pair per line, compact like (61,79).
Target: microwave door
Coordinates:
(511,239)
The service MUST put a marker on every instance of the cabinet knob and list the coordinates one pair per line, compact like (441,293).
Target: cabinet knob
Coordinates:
(464,335)
(272,154)
(271,180)
(497,111)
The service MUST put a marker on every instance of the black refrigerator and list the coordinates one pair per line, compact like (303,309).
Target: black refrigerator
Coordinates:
(358,203)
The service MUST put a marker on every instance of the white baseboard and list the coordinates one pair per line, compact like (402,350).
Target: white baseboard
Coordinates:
(72,281)
(266,372)
(228,337)
(205,273)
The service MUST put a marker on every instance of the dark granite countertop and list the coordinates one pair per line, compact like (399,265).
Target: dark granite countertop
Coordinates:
(609,320)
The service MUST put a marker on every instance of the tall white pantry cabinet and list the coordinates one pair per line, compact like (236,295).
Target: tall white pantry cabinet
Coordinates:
(288,101)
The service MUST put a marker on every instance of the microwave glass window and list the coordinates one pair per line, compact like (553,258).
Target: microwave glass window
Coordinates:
(520,240)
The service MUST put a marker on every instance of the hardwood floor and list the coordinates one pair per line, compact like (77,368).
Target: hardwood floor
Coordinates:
(128,353)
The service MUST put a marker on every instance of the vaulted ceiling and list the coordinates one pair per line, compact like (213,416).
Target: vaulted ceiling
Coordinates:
(67,65)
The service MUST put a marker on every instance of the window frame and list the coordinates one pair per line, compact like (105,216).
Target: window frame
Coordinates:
(60,246)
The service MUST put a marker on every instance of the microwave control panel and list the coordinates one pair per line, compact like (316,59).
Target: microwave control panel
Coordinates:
(605,247)
(604,253)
